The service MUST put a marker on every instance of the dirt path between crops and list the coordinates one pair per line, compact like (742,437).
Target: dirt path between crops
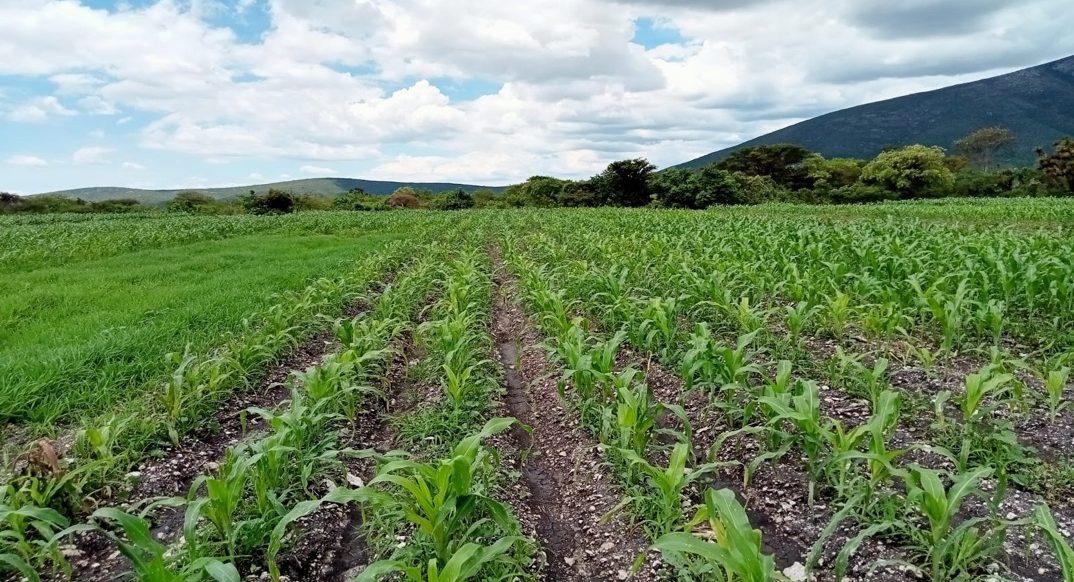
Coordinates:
(568,488)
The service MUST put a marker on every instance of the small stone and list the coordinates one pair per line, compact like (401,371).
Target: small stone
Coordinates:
(354,480)
(1011,515)
(795,572)
(569,561)
(606,546)
(623,574)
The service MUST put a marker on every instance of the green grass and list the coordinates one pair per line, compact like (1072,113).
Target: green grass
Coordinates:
(82,337)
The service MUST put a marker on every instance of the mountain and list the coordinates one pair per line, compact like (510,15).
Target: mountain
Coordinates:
(1037,104)
(331,187)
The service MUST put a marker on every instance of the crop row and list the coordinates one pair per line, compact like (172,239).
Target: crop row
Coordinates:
(682,327)
(47,490)
(854,465)
(440,499)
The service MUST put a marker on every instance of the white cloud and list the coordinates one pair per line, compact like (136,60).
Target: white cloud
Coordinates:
(25,160)
(39,109)
(97,105)
(317,170)
(91,155)
(362,80)
(133,166)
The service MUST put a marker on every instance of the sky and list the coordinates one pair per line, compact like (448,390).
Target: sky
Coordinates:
(199,93)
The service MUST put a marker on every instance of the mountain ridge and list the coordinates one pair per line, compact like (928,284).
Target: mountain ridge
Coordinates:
(331,187)
(1036,103)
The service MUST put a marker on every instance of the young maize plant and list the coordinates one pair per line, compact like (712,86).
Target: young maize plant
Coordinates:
(981,438)
(718,545)
(630,422)
(147,556)
(658,501)
(459,530)
(1044,521)
(810,433)
(950,550)
(798,319)
(1055,384)
(27,534)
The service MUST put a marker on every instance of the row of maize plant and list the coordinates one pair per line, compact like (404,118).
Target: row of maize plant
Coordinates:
(853,464)
(952,288)
(663,482)
(434,516)
(661,325)
(43,499)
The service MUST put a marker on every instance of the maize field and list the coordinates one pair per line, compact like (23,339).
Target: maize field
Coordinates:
(772,393)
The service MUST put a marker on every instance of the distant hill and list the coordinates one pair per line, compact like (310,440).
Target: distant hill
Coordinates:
(1037,104)
(331,187)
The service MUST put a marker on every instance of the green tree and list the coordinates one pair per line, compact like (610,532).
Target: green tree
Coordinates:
(834,173)
(272,202)
(457,199)
(676,188)
(624,183)
(488,199)
(717,185)
(190,202)
(9,202)
(1058,166)
(910,172)
(785,163)
(982,146)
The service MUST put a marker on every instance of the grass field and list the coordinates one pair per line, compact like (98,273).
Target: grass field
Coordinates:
(82,336)
(778,392)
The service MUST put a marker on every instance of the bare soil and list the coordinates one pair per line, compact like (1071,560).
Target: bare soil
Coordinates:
(567,485)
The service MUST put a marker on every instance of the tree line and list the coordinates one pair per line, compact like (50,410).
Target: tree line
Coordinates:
(753,175)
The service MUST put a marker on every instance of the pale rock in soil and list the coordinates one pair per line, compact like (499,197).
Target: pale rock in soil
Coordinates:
(795,572)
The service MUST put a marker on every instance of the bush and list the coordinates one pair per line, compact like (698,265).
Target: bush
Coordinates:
(624,183)
(786,164)
(357,199)
(191,203)
(911,172)
(404,198)
(1058,166)
(312,202)
(272,202)
(454,200)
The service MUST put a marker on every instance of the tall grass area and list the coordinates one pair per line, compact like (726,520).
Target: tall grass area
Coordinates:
(84,336)
(35,241)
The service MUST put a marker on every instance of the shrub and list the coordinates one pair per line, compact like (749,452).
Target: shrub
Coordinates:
(911,172)
(272,202)
(191,202)
(404,198)
(454,200)
(624,183)
(1058,166)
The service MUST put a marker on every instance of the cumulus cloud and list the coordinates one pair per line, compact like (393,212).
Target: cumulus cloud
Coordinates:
(565,85)
(317,170)
(25,160)
(38,109)
(926,18)
(91,155)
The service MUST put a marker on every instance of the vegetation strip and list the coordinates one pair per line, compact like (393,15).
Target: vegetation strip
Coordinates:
(568,487)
